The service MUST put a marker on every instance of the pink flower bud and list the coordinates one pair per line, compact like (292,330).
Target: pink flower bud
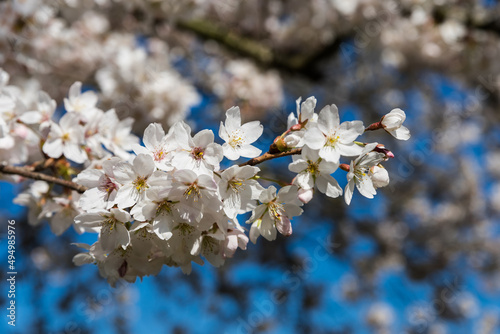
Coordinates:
(305,195)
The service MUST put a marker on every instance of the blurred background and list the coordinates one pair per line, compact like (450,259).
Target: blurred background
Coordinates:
(422,257)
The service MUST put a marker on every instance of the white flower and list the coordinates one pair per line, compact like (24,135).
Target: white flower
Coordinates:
(80,102)
(393,123)
(116,134)
(93,136)
(238,137)
(66,138)
(135,179)
(102,186)
(181,244)
(238,190)
(333,139)
(33,199)
(158,208)
(274,213)
(8,108)
(198,153)
(305,111)
(359,173)
(158,145)
(8,121)
(197,194)
(83,258)
(61,212)
(109,224)
(235,238)
(379,176)
(308,119)
(315,171)
(209,245)
(42,116)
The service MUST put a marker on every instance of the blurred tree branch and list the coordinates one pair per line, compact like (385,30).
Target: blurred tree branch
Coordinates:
(302,64)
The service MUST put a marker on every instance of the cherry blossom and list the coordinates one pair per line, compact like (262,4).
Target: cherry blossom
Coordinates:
(66,138)
(333,139)
(393,124)
(134,179)
(239,190)
(80,102)
(33,198)
(306,119)
(359,173)
(198,153)
(158,145)
(238,137)
(274,213)
(314,171)
(116,134)
(43,115)
(102,185)
(61,212)
(109,224)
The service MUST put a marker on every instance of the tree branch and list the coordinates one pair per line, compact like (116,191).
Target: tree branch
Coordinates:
(269,156)
(29,173)
(260,53)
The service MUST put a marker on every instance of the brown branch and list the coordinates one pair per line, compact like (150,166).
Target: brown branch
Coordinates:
(269,156)
(41,165)
(29,173)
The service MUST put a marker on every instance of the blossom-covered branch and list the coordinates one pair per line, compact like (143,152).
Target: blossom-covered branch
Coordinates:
(167,202)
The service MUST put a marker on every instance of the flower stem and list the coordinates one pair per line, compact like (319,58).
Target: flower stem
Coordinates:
(375,126)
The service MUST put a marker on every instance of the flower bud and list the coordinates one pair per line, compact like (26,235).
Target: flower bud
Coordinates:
(281,144)
(292,140)
(393,123)
(379,176)
(381,149)
(305,195)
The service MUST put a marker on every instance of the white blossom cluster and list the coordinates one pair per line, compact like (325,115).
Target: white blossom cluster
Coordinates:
(137,79)
(168,202)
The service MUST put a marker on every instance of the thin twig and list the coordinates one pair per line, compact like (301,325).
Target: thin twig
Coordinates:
(268,156)
(27,172)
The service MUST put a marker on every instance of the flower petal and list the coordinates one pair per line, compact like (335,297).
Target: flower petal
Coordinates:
(328,118)
(252,130)
(233,119)
(249,151)
(144,165)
